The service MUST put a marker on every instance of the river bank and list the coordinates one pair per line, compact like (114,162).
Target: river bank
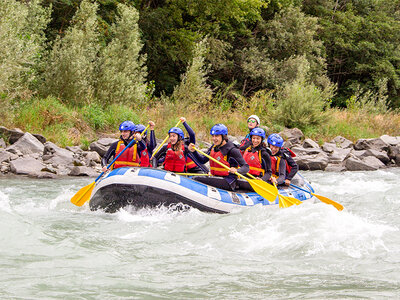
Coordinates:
(23,153)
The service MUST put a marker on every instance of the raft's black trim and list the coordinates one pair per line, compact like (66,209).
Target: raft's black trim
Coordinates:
(113,197)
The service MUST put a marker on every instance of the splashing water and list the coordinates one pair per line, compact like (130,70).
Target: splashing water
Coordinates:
(52,249)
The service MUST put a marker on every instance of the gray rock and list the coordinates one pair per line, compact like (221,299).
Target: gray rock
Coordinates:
(335,168)
(299,150)
(293,135)
(339,155)
(27,144)
(393,151)
(381,155)
(369,163)
(74,149)
(15,134)
(57,156)
(342,142)
(357,153)
(26,165)
(43,175)
(391,140)
(92,156)
(102,145)
(83,171)
(376,144)
(312,162)
(2,143)
(5,156)
(329,147)
(309,143)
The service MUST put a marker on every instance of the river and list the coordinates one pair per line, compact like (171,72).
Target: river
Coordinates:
(51,249)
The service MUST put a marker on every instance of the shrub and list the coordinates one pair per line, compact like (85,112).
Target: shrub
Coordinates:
(193,88)
(122,67)
(95,116)
(71,68)
(22,39)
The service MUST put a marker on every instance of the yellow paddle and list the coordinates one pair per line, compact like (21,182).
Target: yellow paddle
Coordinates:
(262,188)
(284,201)
(194,174)
(162,143)
(326,200)
(84,193)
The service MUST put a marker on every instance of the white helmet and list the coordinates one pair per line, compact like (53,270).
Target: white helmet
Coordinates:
(255,118)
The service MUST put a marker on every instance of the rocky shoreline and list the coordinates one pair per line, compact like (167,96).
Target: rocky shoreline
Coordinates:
(23,153)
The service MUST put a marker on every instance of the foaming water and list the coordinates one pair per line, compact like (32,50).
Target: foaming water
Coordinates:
(52,249)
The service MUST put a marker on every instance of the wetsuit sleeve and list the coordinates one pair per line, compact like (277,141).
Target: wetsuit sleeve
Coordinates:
(282,172)
(293,164)
(266,163)
(158,155)
(195,160)
(110,153)
(141,146)
(153,142)
(235,154)
(192,135)
(245,146)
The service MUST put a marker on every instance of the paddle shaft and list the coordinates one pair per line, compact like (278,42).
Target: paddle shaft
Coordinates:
(297,187)
(162,143)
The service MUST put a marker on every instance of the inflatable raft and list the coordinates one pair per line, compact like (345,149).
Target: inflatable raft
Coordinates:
(149,187)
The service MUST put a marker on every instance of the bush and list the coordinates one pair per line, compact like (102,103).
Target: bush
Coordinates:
(95,116)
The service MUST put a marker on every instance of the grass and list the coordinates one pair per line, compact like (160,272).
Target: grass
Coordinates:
(68,126)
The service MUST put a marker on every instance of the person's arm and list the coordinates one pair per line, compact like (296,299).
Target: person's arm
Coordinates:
(192,135)
(152,143)
(282,172)
(266,163)
(294,166)
(110,152)
(235,154)
(158,155)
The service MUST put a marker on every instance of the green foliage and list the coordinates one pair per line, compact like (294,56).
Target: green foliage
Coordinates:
(115,114)
(193,89)
(95,116)
(71,68)
(301,104)
(22,43)
(122,67)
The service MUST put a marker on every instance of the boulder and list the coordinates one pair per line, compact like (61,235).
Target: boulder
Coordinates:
(335,168)
(381,155)
(391,140)
(52,154)
(309,143)
(5,156)
(375,144)
(26,165)
(43,175)
(312,162)
(27,144)
(83,171)
(339,155)
(102,145)
(329,147)
(293,135)
(342,142)
(393,151)
(15,134)
(92,156)
(369,163)
(299,150)
(74,149)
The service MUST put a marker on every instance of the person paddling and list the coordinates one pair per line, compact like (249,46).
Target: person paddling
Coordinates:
(226,152)
(177,157)
(149,143)
(252,122)
(283,165)
(257,155)
(130,157)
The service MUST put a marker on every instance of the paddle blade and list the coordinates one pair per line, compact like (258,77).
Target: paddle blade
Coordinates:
(338,206)
(83,195)
(264,189)
(288,201)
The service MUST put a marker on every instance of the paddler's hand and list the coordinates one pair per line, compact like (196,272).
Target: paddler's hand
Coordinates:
(152,125)
(232,170)
(183,119)
(138,137)
(104,169)
(273,180)
(287,182)
(190,147)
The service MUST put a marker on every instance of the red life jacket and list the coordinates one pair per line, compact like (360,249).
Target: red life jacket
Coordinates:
(245,140)
(215,168)
(275,160)
(190,164)
(129,158)
(144,158)
(174,161)
(254,162)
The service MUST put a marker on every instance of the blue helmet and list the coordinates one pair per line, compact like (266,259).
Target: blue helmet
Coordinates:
(275,140)
(258,132)
(178,131)
(127,125)
(140,128)
(219,129)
